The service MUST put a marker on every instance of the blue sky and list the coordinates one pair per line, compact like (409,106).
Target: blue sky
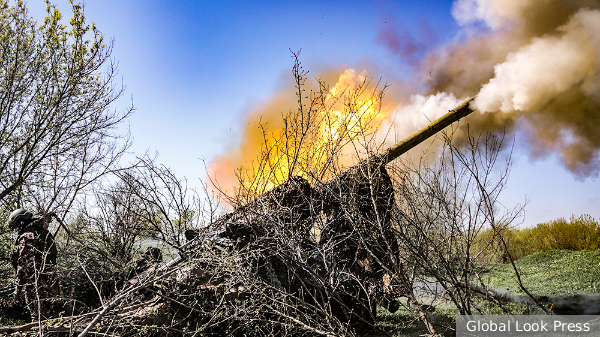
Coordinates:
(195,68)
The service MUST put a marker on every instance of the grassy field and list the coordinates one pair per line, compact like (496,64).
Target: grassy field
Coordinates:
(550,273)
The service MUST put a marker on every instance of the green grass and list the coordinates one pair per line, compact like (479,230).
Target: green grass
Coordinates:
(550,273)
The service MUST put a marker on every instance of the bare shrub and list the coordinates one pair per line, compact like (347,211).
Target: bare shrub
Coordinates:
(310,256)
(141,207)
(444,209)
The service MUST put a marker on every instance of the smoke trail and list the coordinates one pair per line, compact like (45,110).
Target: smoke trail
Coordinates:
(420,111)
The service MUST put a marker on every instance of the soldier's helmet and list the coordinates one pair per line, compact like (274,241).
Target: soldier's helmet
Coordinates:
(154,253)
(19,218)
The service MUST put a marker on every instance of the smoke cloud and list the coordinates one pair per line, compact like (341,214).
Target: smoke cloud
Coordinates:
(419,112)
(548,67)
(533,60)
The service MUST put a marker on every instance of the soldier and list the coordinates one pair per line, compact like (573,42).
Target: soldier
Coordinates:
(34,261)
(143,262)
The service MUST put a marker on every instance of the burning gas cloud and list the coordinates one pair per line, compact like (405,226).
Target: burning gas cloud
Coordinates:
(331,117)
(535,61)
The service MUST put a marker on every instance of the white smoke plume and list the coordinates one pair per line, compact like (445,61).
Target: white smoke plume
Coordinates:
(533,60)
(549,66)
(420,112)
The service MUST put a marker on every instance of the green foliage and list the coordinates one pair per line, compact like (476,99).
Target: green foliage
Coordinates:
(56,88)
(57,138)
(4,321)
(403,322)
(6,246)
(6,269)
(582,233)
(578,233)
(547,273)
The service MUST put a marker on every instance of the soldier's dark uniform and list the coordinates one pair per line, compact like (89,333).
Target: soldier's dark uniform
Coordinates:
(142,262)
(34,261)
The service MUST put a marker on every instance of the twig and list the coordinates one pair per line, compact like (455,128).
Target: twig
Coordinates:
(108,307)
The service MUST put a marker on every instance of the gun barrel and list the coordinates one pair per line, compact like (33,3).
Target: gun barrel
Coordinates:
(179,258)
(420,136)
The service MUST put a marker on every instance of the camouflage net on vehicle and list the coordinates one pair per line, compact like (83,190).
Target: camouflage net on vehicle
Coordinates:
(298,260)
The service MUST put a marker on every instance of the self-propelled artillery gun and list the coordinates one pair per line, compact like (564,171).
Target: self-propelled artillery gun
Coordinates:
(332,245)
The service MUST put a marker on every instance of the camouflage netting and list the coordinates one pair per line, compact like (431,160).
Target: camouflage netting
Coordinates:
(297,260)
